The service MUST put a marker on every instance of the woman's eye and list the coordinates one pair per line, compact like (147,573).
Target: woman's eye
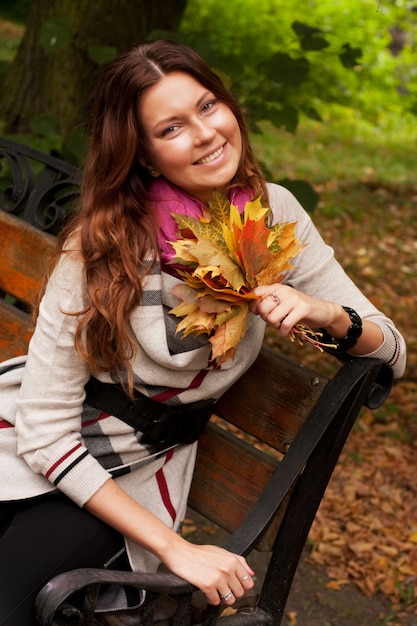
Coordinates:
(208,105)
(169,130)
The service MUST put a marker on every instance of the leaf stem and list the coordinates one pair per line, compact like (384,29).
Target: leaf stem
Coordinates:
(301,333)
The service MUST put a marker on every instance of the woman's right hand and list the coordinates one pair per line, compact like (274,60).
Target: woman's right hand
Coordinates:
(221,575)
(213,570)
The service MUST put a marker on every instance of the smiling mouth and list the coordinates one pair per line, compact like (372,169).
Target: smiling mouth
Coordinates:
(211,157)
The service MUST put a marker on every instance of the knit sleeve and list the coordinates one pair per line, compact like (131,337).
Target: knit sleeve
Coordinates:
(319,274)
(49,407)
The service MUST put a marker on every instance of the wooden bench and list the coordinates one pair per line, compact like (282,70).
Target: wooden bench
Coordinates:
(263,464)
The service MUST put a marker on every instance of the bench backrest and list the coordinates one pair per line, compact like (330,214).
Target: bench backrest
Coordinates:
(24,254)
(36,186)
(40,189)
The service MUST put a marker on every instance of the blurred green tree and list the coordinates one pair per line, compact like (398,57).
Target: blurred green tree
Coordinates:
(48,85)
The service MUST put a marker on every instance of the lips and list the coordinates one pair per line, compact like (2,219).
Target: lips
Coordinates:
(211,157)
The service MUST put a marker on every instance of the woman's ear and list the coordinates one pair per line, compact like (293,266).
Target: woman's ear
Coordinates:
(145,163)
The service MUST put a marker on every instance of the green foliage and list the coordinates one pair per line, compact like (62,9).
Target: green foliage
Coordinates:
(349,56)
(293,64)
(43,126)
(406,592)
(311,37)
(10,37)
(101,54)
(303,191)
(340,152)
(55,33)
(14,10)
(327,51)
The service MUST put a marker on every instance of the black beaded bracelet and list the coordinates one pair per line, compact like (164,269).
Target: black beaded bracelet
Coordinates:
(342,345)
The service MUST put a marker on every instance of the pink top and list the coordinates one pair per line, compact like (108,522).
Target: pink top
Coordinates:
(168,199)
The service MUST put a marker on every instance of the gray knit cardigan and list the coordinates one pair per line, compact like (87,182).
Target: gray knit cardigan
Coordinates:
(49,438)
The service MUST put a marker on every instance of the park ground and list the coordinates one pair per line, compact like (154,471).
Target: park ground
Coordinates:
(359,567)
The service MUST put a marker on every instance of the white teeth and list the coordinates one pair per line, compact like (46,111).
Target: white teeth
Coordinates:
(212,156)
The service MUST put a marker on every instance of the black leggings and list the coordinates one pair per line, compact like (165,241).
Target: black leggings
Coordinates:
(41,538)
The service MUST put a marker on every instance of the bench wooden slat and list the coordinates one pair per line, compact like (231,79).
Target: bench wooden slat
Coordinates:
(262,404)
(229,477)
(24,257)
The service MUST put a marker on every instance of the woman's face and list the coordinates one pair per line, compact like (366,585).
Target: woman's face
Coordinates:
(191,138)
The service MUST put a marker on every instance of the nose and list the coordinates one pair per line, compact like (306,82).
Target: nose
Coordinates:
(204,133)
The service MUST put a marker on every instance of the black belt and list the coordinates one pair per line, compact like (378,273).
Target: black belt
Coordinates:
(161,426)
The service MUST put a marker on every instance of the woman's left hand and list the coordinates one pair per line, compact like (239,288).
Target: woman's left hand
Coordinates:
(283,307)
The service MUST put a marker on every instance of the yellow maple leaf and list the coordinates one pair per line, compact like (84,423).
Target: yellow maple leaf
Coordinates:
(212,259)
(196,322)
(230,330)
(209,230)
(281,235)
(229,234)
(210,304)
(183,250)
(278,265)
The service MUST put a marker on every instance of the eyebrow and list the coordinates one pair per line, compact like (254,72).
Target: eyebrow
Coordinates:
(173,118)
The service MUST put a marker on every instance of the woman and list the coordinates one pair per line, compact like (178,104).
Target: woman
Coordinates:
(78,471)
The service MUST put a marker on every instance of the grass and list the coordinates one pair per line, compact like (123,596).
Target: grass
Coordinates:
(343,147)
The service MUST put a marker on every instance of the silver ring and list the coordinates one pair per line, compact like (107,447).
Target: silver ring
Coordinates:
(242,580)
(227,596)
(275,298)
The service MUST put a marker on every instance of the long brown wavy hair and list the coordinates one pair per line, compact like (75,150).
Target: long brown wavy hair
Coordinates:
(115,226)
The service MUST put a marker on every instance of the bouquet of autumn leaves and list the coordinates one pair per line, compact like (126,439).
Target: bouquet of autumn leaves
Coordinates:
(222,260)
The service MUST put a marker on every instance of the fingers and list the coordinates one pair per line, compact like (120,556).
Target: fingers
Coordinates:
(237,590)
(280,306)
(239,584)
(283,306)
(228,597)
(269,297)
(234,588)
(273,309)
(221,575)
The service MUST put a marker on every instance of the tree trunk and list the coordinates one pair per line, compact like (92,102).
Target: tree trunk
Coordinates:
(53,72)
